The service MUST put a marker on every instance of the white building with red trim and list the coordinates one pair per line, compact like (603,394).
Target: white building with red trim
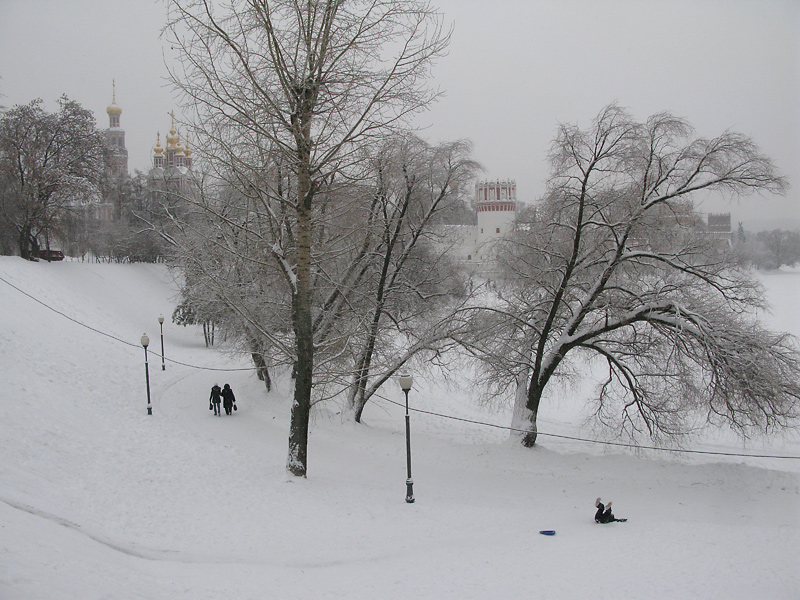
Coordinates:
(496,208)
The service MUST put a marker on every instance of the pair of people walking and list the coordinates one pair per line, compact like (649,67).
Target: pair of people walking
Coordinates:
(222,396)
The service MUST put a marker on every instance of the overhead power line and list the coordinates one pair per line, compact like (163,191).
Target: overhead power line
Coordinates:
(587,440)
(116,338)
(418,410)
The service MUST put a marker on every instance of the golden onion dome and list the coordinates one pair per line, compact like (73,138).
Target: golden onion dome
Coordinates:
(173,138)
(113,109)
(158,149)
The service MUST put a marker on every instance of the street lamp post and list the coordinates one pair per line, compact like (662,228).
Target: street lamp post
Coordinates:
(161,324)
(405,384)
(146,342)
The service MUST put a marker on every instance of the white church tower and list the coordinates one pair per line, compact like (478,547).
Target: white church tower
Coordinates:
(115,139)
(496,206)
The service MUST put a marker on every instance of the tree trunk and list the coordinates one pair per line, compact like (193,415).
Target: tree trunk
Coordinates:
(24,243)
(47,237)
(301,407)
(532,405)
(521,416)
(262,371)
(301,297)
(364,365)
(363,369)
(359,406)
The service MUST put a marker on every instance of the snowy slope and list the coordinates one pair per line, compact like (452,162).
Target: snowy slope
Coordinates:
(100,500)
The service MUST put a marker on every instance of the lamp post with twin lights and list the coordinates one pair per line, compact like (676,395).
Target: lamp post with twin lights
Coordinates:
(405,384)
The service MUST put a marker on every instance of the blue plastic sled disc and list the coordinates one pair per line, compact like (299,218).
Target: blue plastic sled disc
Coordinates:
(548,532)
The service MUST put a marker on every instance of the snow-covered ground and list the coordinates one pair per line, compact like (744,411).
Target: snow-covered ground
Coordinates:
(100,500)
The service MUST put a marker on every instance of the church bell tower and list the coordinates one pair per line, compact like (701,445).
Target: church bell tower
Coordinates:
(115,139)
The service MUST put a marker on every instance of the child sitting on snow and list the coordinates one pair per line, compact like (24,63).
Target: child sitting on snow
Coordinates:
(604,514)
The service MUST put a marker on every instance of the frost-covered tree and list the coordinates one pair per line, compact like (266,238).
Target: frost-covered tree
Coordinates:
(311,81)
(406,278)
(222,247)
(50,163)
(777,248)
(614,273)
(383,276)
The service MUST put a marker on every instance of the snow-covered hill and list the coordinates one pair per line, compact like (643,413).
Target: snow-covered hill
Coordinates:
(100,500)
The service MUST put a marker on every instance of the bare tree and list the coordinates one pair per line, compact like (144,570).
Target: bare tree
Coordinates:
(315,79)
(223,248)
(380,263)
(49,164)
(408,278)
(614,270)
(776,248)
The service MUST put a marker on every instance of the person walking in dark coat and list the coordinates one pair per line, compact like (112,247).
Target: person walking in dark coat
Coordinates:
(228,399)
(215,398)
(604,514)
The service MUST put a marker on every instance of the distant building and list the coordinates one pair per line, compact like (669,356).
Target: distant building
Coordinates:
(109,208)
(496,208)
(115,140)
(171,176)
(719,226)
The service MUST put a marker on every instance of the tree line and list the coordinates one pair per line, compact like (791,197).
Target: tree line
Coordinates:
(768,250)
(55,178)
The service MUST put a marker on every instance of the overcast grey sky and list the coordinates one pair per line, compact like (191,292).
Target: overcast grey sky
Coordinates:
(516,68)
